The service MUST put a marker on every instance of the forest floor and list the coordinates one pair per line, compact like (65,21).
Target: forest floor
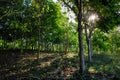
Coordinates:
(52,66)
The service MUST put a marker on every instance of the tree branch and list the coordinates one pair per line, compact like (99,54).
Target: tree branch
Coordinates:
(68,6)
(91,30)
(86,33)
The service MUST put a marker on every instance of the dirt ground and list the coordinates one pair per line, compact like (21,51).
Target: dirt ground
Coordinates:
(50,66)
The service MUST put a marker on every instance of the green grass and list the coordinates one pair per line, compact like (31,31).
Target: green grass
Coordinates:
(58,66)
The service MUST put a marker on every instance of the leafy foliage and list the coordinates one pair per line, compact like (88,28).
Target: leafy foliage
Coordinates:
(108,13)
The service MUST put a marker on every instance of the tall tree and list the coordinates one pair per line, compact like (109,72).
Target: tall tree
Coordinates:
(106,12)
(90,19)
(76,7)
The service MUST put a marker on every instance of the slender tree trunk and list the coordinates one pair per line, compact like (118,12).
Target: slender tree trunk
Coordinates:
(89,51)
(32,47)
(4,43)
(21,46)
(88,40)
(66,43)
(112,47)
(38,46)
(80,38)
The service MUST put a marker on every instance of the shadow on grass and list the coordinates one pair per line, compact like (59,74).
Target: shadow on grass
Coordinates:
(102,62)
(102,65)
(16,66)
(59,68)
(51,66)
(9,60)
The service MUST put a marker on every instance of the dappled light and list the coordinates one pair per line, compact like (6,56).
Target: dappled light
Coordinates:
(59,40)
(93,18)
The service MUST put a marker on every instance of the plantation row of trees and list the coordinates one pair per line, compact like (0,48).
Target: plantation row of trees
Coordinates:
(40,25)
(35,24)
(108,13)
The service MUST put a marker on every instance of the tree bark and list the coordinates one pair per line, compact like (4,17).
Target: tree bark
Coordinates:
(21,44)
(66,44)
(38,46)
(80,38)
(89,45)
(89,51)
(80,33)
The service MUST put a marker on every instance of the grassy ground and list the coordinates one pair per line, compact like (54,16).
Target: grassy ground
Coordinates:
(58,66)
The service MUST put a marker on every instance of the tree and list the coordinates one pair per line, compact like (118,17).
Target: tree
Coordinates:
(76,7)
(100,41)
(107,13)
(105,10)
(115,37)
(89,22)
